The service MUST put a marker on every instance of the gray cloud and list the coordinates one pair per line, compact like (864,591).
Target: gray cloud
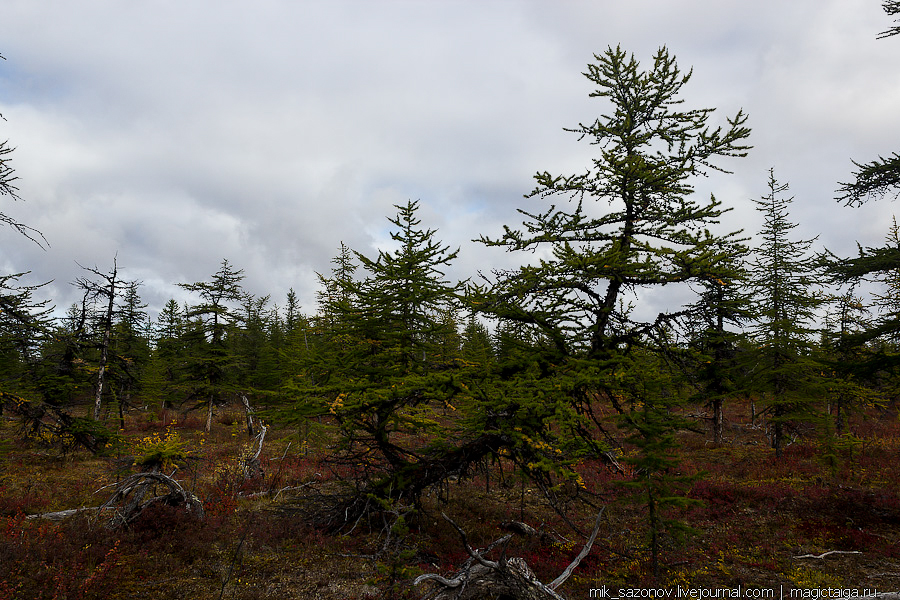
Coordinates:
(179,134)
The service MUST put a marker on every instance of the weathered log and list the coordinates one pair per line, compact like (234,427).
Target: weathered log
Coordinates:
(127,502)
(510,580)
(61,515)
(526,530)
(824,554)
(505,579)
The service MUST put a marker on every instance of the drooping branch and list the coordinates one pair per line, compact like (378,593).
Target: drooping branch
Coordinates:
(891,7)
(872,180)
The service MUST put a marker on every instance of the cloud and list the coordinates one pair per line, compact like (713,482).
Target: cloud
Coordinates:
(179,134)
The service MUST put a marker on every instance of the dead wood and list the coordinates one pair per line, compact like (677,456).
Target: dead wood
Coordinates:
(526,530)
(128,501)
(249,414)
(61,515)
(251,465)
(824,554)
(505,578)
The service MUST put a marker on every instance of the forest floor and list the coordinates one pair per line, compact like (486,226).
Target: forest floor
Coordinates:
(761,522)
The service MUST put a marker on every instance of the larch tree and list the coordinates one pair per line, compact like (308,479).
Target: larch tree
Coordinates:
(130,346)
(22,319)
(383,369)
(844,358)
(106,290)
(396,371)
(886,328)
(210,358)
(24,324)
(633,223)
(783,278)
(873,180)
(162,376)
(715,329)
(312,358)
(8,188)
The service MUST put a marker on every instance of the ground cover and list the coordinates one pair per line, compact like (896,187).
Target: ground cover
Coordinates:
(759,522)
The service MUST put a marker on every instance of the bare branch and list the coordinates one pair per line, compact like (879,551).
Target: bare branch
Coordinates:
(474,554)
(824,554)
(584,552)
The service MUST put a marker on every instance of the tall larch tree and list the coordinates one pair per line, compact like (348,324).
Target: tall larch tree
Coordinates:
(210,359)
(398,370)
(873,180)
(632,223)
(783,278)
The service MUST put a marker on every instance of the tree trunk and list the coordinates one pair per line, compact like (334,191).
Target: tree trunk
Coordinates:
(718,421)
(107,333)
(249,411)
(209,416)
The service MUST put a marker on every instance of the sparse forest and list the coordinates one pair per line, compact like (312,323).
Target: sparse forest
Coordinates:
(519,434)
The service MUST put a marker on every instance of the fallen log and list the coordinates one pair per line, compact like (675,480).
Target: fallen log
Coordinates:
(62,514)
(829,553)
(503,578)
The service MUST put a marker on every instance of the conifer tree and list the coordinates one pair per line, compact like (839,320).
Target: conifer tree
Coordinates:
(385,362)
(783,278)
(881,265)
(891,7)
(315,349)
(8,189)
(842,356)
(873,180)
(107,291)
(716,330)
(887,299)
(209,358)
(477,347)
(292,314)
(338,301)
(864,347)
(24,324)
(249,343)
(60,374)
(130,348)
(656,233)
(633,223)
(651,389)
(398,324)
(163,374)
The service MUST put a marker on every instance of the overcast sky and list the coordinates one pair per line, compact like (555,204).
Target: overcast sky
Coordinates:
(176,134)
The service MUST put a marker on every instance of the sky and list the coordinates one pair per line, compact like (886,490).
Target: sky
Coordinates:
(173,135)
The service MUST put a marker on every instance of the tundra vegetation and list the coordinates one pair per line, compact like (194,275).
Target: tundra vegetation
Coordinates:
(531,433)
